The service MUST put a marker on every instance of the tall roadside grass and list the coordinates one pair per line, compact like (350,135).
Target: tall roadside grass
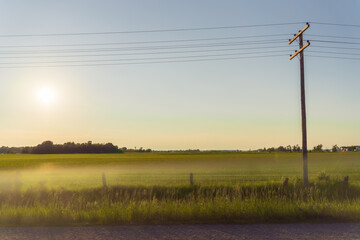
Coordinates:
(325,199)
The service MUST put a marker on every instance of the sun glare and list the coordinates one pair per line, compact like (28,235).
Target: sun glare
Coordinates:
(46,95)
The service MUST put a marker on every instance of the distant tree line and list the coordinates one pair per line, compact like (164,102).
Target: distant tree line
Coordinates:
(10,150)
(289,148)
(335,148)
(317,148)
(48,147)
(141,149)
(295,148)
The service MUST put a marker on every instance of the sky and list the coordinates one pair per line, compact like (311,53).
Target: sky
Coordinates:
(247,103)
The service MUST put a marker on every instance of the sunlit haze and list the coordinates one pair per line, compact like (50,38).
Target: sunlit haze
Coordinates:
(45,95)
(244,103)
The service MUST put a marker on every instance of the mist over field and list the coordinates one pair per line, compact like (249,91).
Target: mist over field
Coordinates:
(85,170)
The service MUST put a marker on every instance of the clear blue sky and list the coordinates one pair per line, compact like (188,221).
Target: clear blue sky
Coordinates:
(230,104)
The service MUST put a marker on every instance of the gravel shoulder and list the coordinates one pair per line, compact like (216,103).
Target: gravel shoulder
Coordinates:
(208,232)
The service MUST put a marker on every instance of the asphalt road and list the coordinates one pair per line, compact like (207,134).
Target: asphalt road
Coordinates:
(218,232)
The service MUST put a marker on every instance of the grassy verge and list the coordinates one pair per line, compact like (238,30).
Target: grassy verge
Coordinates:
(324,200)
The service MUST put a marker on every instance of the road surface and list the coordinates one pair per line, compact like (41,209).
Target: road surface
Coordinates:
(206,232)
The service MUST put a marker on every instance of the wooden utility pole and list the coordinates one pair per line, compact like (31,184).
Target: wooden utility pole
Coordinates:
(303,108)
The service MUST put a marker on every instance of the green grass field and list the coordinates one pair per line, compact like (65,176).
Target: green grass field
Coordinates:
(154,188)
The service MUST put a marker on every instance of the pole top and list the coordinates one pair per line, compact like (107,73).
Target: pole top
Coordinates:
(299,33)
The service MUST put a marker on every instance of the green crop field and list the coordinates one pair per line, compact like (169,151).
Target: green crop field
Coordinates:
(152,188)
(85,170)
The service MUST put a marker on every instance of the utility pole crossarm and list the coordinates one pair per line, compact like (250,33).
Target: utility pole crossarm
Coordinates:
(299,33)
(300,50)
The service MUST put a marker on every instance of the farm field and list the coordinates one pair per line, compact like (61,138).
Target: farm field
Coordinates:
(154,188)
(85,170)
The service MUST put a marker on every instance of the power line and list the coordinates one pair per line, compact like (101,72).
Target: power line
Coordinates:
(314,51)
(144,59)
(143,53)
(148,31)
(332,47)
(326,41)
(331,36)
(135,63)
(142,42)
(336,24)
(318,56)
(148,47)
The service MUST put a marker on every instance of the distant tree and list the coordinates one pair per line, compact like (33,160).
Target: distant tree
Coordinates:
(296,148)
(26,150)
(318,148)
(3,149)
(281,149)
(110,148)
(288,148)
(44,148)
(272,149)
(335,148)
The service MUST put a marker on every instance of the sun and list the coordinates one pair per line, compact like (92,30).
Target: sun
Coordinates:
(46,95)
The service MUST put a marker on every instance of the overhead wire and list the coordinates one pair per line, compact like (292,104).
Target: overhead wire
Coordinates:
(244,43)
(336,24)
(331,36)
(141,42)
(338,53)
(330,41)
(152,62)
(168,49)
(332,47)
(144,53)
(144,59)
(207,47)
(330,54)
(148,31)
(335,57)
